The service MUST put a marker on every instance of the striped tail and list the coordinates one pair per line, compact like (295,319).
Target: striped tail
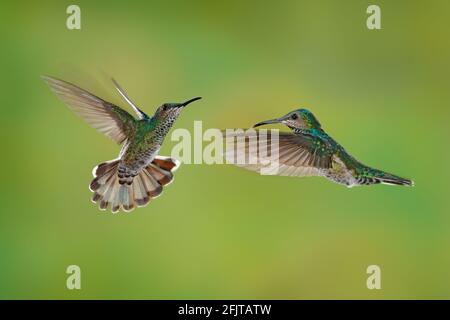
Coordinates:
(374,176)
(110,190)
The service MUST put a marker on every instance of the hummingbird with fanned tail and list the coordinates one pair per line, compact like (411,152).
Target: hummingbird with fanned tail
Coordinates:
(306,151)
(139,173)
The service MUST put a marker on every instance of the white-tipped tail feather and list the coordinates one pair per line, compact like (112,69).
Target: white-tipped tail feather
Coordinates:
(146,185)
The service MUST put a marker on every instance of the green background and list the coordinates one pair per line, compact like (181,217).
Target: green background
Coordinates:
(220,231)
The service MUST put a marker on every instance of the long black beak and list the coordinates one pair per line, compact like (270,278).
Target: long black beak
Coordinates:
(278,120)
(184,104)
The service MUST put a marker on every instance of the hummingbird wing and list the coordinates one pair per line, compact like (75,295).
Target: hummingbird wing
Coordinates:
(104,116)
(298,155)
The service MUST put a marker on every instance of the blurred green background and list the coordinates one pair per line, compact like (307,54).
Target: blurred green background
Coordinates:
(220,231)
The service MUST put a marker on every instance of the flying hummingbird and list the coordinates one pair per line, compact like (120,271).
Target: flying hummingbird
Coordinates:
(139,173)
(309,151)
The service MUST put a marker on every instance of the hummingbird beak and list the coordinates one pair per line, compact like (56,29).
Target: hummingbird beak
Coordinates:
(184,104)
(278,120)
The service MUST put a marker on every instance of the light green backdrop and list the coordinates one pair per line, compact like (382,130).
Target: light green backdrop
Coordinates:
(220,231)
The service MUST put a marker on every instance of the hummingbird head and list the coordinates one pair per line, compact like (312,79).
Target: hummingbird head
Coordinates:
(297,119)
(169,112)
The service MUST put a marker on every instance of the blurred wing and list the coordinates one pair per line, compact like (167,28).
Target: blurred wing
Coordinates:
(298,155)
(107,118)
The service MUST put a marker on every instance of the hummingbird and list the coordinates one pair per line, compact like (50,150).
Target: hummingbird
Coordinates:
(139,173)
(309,151)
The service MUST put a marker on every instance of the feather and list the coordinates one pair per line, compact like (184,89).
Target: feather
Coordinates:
(297,155)
(147,184)
(107,118)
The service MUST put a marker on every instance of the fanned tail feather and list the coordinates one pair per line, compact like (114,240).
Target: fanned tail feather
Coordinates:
(138,191)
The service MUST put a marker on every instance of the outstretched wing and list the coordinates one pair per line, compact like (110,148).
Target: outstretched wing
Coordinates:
(298,155)
(107,118)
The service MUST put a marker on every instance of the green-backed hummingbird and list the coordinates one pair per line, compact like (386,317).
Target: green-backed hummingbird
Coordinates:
(139,173)
(310,151)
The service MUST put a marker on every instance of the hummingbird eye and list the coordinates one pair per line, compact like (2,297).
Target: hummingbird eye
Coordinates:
(294,116)
(165,107)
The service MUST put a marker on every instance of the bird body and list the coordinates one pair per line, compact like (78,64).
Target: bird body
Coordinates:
(309,151)
(143,144)
(139,173)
